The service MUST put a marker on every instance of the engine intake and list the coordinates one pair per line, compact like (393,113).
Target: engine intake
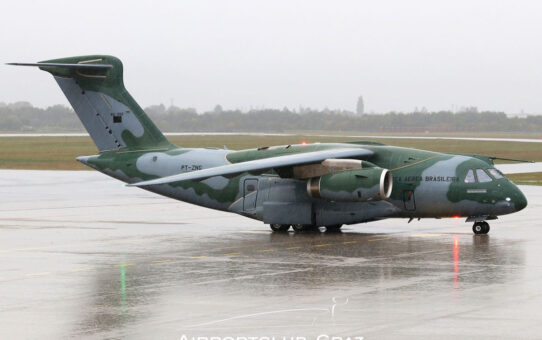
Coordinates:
(358,185)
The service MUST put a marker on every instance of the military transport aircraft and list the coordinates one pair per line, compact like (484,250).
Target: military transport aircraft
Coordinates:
(300,186)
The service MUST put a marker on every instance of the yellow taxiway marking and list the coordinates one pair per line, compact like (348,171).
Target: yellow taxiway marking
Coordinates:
(38,274)
(2,251)
(322,245)
(234,253)
(161,261)
(379,239)
(298,247)
(198,257)
(350,242)
(82,269)
(426,235)
(124,264)
(265,250)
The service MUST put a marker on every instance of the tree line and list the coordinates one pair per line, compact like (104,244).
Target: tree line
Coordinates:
(23,117)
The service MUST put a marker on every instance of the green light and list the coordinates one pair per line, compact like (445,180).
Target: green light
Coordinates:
(123,284)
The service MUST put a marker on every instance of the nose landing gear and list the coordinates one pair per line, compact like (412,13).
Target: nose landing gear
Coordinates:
(480,228)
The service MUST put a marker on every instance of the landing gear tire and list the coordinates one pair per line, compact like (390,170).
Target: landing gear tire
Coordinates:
(280,227)
(304,227)
(333,228)
(480,228)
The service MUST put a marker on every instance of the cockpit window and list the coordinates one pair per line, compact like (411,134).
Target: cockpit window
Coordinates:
(495,173)
(470,177)
(483,177)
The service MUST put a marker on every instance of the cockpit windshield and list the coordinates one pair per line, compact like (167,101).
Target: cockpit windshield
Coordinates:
(483,177)
(470,177)
(495,173)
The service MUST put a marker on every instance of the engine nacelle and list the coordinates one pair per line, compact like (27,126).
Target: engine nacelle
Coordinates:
(358,185)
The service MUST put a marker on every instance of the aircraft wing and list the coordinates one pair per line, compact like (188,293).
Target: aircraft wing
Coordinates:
(261,164)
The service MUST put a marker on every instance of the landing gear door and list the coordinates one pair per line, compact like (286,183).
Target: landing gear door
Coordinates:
(409,200)
(250,194)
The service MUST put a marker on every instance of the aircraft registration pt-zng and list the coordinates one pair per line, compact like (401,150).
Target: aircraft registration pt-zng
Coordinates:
(304,186)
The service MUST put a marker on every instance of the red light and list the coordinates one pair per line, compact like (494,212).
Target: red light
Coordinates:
(456,260)
(456,216)
(303,143)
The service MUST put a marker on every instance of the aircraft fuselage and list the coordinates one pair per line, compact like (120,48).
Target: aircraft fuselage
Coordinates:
(425,184)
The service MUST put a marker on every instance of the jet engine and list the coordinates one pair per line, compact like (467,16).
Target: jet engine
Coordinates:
(357,185)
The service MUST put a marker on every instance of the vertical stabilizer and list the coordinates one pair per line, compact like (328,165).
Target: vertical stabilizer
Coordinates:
(94,87)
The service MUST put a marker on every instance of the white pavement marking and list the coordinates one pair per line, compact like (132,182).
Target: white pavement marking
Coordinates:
(244,316)
(519,168)
(488,139)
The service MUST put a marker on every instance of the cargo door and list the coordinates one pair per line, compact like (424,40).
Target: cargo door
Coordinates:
(250,194)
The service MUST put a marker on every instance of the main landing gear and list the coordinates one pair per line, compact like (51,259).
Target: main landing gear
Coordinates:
(333,228)
(280,227)
(480,228)
(303,228)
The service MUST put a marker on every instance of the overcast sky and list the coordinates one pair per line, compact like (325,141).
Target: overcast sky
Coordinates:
(397,54)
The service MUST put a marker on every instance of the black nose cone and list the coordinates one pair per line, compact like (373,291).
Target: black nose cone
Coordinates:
(520,201)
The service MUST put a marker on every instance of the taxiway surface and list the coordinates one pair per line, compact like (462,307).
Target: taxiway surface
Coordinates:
(82,256)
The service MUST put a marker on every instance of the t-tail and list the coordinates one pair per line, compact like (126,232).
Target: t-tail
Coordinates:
(94,87)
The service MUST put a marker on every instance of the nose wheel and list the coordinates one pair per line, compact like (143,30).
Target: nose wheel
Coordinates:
(480,228)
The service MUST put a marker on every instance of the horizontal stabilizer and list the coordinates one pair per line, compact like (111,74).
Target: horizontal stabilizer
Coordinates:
(79,66)
(261,164)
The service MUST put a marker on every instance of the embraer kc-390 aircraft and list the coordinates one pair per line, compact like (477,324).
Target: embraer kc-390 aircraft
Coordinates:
(300,186)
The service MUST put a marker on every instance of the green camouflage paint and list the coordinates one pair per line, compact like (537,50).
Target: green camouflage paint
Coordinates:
(132,149)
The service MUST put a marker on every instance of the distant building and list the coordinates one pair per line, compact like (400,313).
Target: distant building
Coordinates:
(360,107)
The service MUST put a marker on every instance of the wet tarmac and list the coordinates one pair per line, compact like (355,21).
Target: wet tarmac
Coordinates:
(82,256)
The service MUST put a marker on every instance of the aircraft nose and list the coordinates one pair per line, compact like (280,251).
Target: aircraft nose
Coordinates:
(518,199)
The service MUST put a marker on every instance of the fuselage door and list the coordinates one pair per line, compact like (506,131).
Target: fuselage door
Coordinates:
(250,194)
(408,199)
